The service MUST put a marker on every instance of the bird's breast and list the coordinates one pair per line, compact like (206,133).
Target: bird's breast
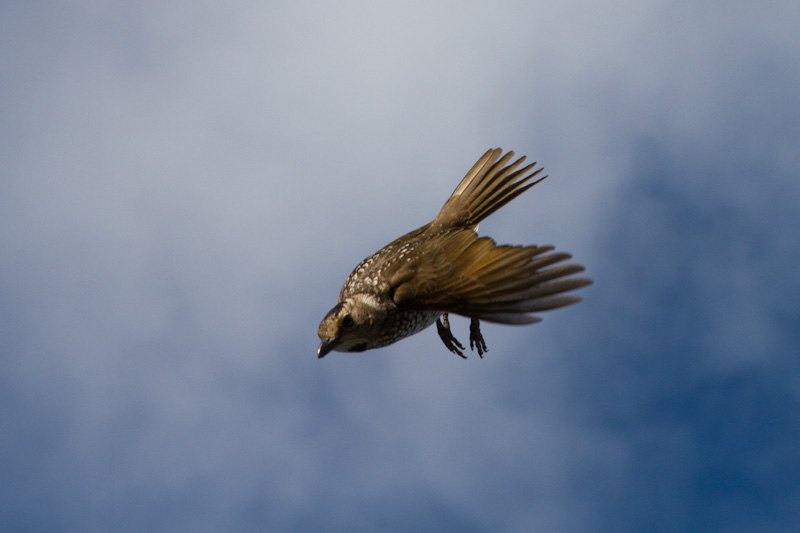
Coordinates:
(407,323)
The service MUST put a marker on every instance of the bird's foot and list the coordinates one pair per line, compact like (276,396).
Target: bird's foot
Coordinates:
(449,340)
(476,338)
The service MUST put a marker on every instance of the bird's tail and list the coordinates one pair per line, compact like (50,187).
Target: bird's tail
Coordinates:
(504,284)
(489,185)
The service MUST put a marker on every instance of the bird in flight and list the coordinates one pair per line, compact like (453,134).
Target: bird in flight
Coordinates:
(445,268)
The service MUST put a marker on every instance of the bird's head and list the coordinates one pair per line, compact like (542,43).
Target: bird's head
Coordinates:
(350,326)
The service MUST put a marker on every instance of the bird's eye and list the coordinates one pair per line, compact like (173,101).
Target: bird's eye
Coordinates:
(347,321)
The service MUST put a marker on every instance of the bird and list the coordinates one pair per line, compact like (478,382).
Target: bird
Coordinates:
(446,268)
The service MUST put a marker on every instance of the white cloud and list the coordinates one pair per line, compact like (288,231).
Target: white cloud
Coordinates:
(186,186)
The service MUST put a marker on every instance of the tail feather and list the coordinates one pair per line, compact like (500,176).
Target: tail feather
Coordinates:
(513,319)
(473,276)
(526,288)
(489,185)
(539,301)
(502,283)
(502,267)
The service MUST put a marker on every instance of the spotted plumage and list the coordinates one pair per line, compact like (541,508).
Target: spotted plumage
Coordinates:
(444,267)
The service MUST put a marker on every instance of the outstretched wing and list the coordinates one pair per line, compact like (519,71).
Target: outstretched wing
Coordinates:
(489,185)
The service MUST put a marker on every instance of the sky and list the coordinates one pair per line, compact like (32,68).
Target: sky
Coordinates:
(184,187)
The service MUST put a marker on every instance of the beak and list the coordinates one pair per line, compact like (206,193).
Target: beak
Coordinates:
(326,346)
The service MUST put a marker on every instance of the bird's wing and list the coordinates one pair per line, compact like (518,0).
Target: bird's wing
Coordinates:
(473,276)
(489,185)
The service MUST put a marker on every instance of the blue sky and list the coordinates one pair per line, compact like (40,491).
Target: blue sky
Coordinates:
(185,187)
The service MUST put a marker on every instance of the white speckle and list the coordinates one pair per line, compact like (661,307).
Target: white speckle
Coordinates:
(368,299)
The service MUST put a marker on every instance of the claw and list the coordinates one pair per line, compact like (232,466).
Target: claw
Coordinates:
(449,340)
(476,338)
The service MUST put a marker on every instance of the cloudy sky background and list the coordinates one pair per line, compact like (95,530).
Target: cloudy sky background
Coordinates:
(184,186)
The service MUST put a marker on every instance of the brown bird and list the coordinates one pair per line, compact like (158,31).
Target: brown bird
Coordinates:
(444,267)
